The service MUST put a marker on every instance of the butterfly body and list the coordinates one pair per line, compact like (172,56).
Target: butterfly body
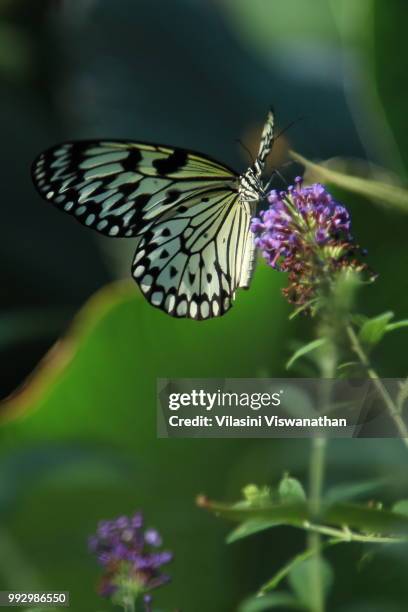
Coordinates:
(190,213)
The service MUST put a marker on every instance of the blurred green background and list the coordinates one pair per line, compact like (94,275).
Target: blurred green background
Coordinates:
(80,445)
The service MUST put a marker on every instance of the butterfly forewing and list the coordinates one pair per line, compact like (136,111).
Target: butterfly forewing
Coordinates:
(118,188)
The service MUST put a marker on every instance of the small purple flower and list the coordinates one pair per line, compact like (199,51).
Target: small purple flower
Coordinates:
(128,552)
(152,537)
(307,233)
(122,522)
(137,520)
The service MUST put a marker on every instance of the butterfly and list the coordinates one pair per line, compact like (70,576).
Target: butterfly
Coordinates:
(190,213)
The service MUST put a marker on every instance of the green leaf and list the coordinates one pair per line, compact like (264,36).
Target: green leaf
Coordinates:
(275,600)
(291,490)
(401,507)
(304,350)
(364,518)
(351,490)
(370,520)
(397,325)
(301,579)
(102,340)
(291,514)
(373,330)
(377,191)
(249,528)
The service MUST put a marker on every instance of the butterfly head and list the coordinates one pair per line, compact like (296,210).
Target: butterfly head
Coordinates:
(251,188)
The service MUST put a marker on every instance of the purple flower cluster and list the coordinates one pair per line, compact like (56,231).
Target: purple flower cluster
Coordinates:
(307,233)
(126,550)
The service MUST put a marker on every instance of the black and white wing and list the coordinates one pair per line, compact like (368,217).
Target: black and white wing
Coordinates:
(190,265)
(119,188)
(196,247)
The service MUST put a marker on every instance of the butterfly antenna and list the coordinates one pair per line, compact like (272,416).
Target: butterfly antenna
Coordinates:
(247,150)
(287,127)
(277,172)
(282,178)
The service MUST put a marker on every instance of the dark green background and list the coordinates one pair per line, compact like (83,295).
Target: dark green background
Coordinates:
(198,74)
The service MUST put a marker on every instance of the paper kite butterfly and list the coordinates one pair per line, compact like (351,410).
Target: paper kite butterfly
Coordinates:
(190,213)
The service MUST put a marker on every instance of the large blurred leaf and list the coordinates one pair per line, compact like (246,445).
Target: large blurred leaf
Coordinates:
(97,387)
(119,343)
(375,190)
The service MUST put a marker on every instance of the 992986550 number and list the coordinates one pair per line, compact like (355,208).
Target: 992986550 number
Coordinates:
(33,599)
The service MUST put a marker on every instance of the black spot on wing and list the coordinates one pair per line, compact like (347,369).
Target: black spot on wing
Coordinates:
(131,163)
(171,196)
(142,199)
(172,163)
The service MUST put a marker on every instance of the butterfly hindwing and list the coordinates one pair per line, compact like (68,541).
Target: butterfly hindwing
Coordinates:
(120,188)
(190,265)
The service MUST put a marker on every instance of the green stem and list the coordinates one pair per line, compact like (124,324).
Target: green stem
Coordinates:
(328,364)
(286,569)
(387,399)
(316,474)
(129,603)
(346,535)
